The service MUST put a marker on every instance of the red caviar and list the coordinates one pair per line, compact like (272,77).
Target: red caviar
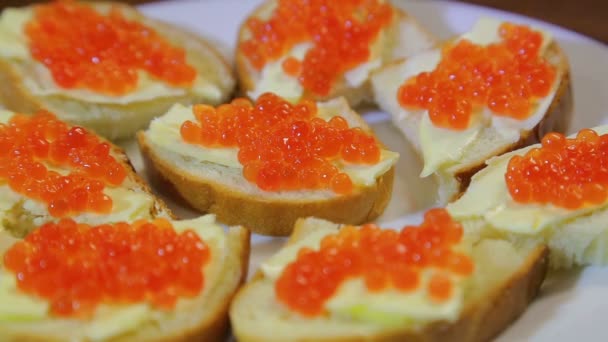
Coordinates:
(76,267)
(283,146)
(83,48)
(507,77)
(341,33)
(382,258)
(567,173)
(292,66)
(29,144)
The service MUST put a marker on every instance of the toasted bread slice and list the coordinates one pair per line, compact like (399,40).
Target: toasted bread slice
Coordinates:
(203,317)
(576,237)
(505,280)
(454,176)
(133,200)
(402,38)
(220,189)
(27,86)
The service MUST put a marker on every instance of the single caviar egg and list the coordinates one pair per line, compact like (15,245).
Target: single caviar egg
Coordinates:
(77,267)
(83,48)
(382,259)
(284,146)
(341,33)
(568,173)
(292,66)
(507,77)
(82,165)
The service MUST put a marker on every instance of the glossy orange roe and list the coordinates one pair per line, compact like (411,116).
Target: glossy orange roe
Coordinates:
(83,48)
(29,143)
(383,258)
(283,146)
(292,66)
(507,77)
(568,173)
(341,33)
(76,267)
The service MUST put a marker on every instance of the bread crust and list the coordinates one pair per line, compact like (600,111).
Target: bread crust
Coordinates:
(118,121)
(355,96)
(266,216)
(159,208)
(480,321)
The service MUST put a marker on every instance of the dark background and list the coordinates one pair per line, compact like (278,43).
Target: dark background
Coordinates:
(589,17)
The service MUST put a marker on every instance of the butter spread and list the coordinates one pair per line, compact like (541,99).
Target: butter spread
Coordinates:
(353,300)
(438,143)
(274,79)
(359,75)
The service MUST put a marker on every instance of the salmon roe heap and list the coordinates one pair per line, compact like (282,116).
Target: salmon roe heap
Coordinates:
(382,258)
(283,146)
(340,32)
(507,77)
(567,173)
(30,144)
(83,48)
(76,267)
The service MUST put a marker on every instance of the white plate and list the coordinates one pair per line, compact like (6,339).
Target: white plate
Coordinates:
(572,306)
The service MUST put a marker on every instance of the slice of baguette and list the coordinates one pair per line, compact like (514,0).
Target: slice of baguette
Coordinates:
(575,238)
(20,219)
(117,119)
(454,179)
(202,318)
(506,280)
(222,190)
(404,37)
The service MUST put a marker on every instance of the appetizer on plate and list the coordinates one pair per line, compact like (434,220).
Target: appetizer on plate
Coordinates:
(497,88)
(268,163)
(50,170)
(152,280)
(104,66)
(87,253)
(323,49)
(422,283)
(555,193)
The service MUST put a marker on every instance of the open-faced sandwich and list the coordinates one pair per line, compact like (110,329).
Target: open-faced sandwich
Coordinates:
(554,193)
(104,66)
(88,254)
(421,283)
(268,163)
(50,170)
(497,88)
(323,49)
